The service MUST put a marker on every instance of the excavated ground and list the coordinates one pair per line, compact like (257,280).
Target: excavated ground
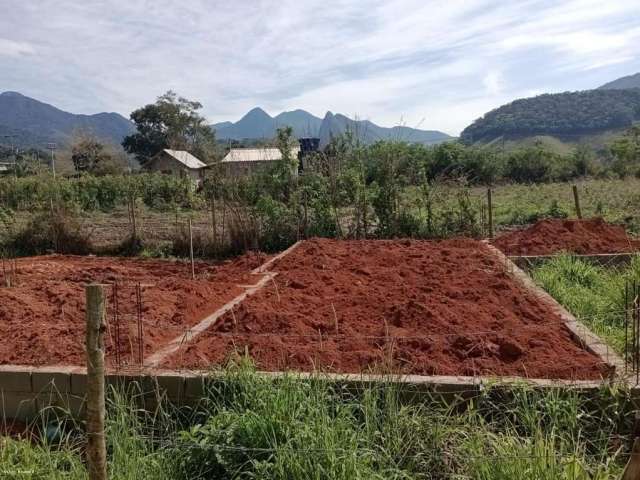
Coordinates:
(551,236)
(430,308)
(42,317)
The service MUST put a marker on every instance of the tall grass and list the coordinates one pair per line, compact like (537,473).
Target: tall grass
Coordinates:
(251,427)
(595,295)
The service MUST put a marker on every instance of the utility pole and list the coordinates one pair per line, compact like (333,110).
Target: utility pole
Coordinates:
(14,153)
(52,146)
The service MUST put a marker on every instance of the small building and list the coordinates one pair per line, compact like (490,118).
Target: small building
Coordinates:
(246,161)
(6,168)
(177,162)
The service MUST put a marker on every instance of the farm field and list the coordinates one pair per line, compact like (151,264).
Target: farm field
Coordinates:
(419,307)
(42,313)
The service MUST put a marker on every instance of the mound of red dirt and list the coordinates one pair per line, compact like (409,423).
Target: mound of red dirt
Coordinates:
(42,318)
(431,308)
(574,236)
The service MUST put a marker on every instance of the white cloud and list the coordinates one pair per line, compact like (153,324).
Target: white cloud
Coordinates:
(436,64)
(10,48)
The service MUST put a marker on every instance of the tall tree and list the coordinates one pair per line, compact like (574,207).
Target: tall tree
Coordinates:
(171,122)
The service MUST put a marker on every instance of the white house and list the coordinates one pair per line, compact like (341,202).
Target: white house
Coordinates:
(177,162)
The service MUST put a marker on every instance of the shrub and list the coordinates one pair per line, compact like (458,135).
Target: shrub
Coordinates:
(57,231)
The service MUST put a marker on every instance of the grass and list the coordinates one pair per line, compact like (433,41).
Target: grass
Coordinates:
(595,295)
(251,427)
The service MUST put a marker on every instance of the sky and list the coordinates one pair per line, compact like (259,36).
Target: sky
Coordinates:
(426,64)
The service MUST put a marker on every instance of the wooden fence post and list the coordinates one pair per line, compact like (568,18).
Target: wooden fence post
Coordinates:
(490,212)
(96,324)
(576,200)
(632,470)
(193,268)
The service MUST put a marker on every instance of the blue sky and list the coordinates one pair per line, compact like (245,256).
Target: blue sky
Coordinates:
(427,64)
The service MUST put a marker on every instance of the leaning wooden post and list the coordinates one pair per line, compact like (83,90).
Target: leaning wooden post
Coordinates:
(632,470)
(490,212)
(96,323)
(193,268)
(576,200)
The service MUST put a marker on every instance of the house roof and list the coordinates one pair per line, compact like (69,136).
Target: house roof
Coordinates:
(185,158)
(256,154)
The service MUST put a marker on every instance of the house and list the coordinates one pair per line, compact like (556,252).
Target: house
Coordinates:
(6,168)
(177,162)
(245,161)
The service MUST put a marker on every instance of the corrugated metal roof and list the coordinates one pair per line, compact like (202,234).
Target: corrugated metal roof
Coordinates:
(186,158)
(256,154)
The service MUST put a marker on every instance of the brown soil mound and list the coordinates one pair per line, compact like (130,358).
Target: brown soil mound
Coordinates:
(574,236)
(432,308)
(42,319)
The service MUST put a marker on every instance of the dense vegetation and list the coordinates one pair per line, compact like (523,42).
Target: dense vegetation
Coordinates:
(248,426)
(567,113)
(350,190)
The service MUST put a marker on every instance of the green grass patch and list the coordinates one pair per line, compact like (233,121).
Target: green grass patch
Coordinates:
(251,427)
(594,294)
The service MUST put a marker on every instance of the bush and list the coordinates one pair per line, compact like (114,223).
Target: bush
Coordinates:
(58,231)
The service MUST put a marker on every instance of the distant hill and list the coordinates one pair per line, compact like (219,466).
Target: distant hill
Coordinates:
(563,115)
(631,81)
(368,132)
(257,124)
(35,123)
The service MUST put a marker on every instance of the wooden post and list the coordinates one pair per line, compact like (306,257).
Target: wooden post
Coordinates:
(96,445)
(576,200)
(632,470)
(193,267)
(490,212)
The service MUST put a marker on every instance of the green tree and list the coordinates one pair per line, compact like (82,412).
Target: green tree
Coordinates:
(626,152)
(87,153)
(171,122)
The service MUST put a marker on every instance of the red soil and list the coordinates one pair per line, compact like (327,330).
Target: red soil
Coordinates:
(450,306)
(42,319)
(575,236)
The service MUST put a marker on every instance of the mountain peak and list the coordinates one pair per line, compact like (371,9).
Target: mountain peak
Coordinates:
(258,124)
(10,93)
(257,112)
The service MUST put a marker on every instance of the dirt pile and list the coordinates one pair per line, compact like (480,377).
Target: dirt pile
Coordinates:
(42,319)
(431,308)
(574,236)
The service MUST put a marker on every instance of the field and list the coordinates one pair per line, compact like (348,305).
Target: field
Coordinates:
(43,312)
(419,307)
(412,306)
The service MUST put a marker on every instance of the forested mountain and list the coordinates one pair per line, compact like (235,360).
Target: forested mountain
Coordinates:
(630,81)
(562,114)
(34,123)
(257,124)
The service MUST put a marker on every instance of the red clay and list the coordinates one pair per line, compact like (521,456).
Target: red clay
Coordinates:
(42,319)
(574,236)
(431,308)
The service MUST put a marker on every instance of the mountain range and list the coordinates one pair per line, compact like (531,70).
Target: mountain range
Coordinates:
(26,122)
(258,124)
(31,123)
